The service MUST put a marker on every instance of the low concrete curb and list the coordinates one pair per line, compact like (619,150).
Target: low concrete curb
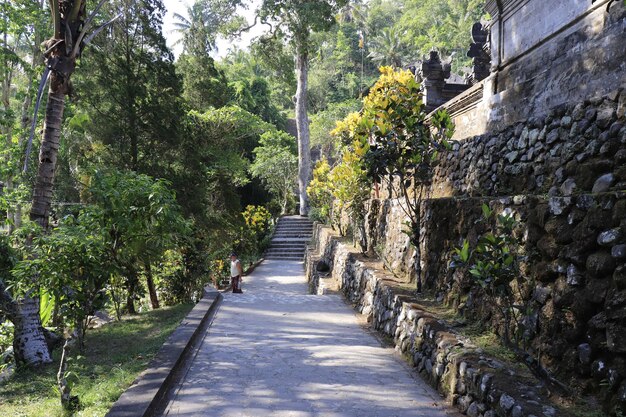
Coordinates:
(148,395)
(253,267)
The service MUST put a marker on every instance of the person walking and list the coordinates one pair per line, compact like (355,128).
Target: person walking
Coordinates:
(236,271)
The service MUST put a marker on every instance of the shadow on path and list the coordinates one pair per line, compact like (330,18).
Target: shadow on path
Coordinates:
(277,351)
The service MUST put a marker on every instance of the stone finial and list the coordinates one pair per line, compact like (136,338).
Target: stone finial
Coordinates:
(479,51)
(433,73)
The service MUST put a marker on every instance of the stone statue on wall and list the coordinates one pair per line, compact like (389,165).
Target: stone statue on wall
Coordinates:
(479,52)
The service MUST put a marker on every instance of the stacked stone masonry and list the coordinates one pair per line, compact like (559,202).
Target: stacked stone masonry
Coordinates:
(563,153)
(476,384)
(564,176)
(543,137)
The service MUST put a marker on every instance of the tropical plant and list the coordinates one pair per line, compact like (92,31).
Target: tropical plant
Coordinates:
(494,264)
(321,192)
(276,164)
(403,145)
(257,221)
(351,189)
(70,25)
(387,48)
(69,262)
(323,122)
(141,221)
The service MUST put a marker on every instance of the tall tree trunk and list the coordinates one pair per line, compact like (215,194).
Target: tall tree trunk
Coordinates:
(42,193)
(29,341)
(7,129)
(154,299)
(132,287)
(302,124)
(68,19)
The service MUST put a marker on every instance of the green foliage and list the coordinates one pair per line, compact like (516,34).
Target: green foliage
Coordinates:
(324,121)
(494,264)
(321,192)
(134,94)
(443,25)
(254,95)
(204,85)
(114,357)
(350,186)
(257,227)
(269,59)
(402,143)
(276,164)
(213,165)
(175,283)
(345,187)
(387,48)
(298,19)
(131,220)
(399,146)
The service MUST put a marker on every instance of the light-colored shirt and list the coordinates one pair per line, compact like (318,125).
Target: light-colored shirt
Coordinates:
(234,268)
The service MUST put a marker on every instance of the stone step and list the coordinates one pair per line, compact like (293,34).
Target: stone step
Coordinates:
(283,250)
(293,234)
(286,258)
(279,247)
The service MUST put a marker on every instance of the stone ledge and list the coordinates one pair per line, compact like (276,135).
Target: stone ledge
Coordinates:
(149,393)
(478,385)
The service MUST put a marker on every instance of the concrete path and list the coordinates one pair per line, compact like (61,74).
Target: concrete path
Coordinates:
(277,351)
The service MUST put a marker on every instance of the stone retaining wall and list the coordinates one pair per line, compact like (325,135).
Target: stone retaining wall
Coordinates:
(477,385)
(562,153)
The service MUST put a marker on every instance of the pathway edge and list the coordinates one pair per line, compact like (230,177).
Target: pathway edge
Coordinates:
(148,394)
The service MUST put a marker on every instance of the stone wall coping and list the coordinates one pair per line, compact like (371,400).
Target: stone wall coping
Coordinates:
(148,394)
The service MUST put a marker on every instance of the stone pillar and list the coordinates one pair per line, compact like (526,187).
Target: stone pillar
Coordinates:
(434,74)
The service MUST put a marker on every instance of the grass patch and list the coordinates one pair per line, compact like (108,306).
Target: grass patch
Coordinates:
(490,343)
(114,355)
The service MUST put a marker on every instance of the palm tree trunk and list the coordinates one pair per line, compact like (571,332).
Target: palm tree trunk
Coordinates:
(302,124)
(42,193)
(7,129)
(29,342)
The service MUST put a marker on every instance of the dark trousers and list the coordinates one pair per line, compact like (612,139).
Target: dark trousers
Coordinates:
(235,281)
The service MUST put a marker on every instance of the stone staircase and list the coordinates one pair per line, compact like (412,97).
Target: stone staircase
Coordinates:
(290,238)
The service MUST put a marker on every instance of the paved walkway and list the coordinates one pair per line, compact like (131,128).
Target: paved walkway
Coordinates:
(277,351)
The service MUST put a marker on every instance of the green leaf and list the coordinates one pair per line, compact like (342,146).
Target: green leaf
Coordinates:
(464,253)
(486,211)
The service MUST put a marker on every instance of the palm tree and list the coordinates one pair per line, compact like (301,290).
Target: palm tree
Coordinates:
(196,28)
(354,11)
(70,25)
(387,48)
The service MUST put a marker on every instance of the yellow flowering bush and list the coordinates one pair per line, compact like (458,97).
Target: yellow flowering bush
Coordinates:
(320,192)
(257,219)
(256,230)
